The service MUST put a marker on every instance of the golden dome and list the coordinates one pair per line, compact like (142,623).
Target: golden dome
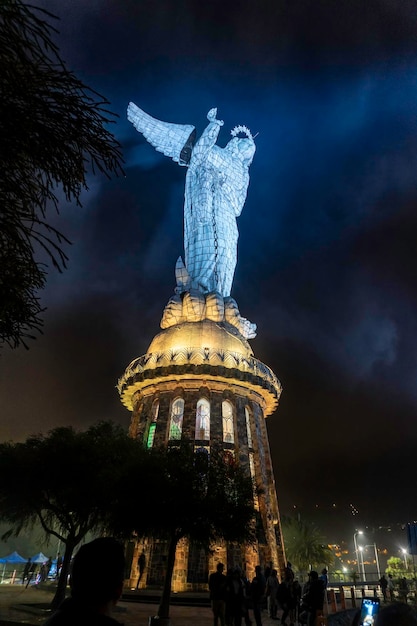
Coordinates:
(200,350)
(201,335)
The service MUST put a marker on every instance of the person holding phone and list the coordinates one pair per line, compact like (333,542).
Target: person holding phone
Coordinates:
(369,611)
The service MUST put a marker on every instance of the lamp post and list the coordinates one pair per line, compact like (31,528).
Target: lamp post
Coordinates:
(377,561)
(363,564)
(404,551)
(358,532)
(373,545)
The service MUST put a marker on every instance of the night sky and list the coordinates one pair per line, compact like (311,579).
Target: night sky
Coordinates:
(327,263)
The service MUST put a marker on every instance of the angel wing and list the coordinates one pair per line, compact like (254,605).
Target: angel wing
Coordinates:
(173,140)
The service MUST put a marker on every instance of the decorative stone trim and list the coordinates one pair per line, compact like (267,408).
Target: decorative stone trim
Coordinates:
(197,363)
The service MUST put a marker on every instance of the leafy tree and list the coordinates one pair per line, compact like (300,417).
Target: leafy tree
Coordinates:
(67,481)
(341,575)
(26,544)
(396,567)
(203,497)
(305,546)
(53,131)
(74,483)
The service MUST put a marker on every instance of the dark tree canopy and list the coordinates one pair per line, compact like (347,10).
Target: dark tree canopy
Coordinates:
(208,496)
(99,480)
(53,132)
(203,496)
(68,481)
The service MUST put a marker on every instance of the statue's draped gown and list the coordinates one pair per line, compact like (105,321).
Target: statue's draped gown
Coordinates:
(216,187)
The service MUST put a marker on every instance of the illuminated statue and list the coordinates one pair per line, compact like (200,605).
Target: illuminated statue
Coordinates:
(215,192)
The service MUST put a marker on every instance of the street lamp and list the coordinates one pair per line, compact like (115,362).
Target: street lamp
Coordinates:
(363,564)
(404,551)
(377,561)
(373,545)
(358,532)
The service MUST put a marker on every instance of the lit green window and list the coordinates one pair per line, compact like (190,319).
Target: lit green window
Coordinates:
(152,426)
(151,435)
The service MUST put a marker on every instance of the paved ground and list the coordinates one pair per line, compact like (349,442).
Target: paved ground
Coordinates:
(129,613)
(32,603)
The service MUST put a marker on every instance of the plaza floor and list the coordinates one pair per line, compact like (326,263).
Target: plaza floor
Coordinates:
(19,605)
(32,599)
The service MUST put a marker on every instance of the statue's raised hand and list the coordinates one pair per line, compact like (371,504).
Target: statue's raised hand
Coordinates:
(211,116)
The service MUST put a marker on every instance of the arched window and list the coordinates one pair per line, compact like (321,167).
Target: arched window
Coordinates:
(177,414)
(152,425)
(252,466)
(227,414)
(252,473)
(202,421)
(248,430)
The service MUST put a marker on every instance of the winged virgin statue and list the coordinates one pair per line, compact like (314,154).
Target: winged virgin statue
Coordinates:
(215,191)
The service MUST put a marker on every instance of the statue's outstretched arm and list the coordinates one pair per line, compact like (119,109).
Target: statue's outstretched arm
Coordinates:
(211,116)
(207,139)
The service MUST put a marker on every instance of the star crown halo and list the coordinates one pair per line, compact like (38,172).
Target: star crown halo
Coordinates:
(242,129)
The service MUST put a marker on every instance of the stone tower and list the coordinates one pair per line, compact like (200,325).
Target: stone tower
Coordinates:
(199,378)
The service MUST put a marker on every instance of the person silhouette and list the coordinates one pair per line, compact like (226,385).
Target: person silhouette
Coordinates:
(96,585)
(141,567)
(25,574)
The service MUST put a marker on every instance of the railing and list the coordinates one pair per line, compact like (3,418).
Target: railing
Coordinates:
(341,597)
